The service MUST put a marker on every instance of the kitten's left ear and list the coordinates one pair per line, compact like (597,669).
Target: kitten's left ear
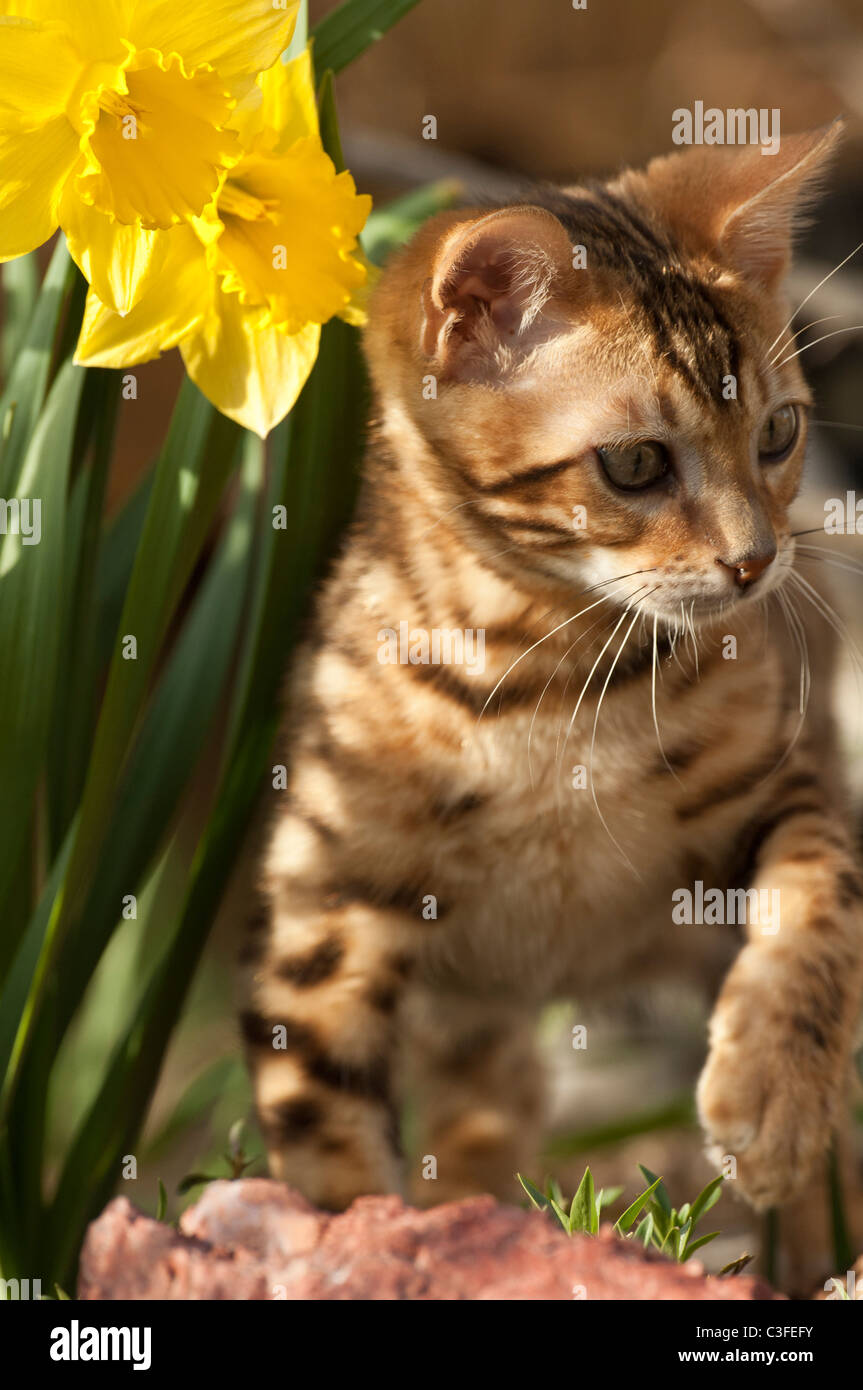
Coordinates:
(757,235)
(741,204)
(491,281)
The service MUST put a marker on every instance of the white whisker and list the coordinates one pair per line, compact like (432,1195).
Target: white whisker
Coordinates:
(852,328)
(608,677)
(814,324)
(805,301)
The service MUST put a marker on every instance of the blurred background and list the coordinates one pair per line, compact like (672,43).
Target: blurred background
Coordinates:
(545,91)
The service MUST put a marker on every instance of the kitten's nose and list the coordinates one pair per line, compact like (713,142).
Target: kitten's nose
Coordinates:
(750,567)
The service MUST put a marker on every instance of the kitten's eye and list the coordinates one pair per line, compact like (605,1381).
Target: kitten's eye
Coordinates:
(778,434)
(637,466)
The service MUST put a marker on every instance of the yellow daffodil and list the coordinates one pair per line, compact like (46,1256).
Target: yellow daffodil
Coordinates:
(244,290)
(114,120)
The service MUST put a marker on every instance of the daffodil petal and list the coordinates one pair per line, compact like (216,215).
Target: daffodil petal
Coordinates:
(173,307)
(356,310)
(251,371)
(237,37)
(38,70)
(34,167)
(284,107)
(120,261)
(97,25)
(297,255)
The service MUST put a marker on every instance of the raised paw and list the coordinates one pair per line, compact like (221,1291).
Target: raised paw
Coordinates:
(768,1098)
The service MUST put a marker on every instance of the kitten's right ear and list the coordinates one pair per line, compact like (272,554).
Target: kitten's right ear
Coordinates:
(491,281)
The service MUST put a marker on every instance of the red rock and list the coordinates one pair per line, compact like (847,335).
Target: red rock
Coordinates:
(257,1239)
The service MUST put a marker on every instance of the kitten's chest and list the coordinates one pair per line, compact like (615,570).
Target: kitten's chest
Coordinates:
(586,834)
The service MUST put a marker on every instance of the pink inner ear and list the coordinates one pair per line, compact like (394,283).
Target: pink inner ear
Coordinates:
(487,277)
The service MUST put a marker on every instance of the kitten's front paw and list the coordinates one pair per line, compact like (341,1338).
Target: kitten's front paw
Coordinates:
(769,1101)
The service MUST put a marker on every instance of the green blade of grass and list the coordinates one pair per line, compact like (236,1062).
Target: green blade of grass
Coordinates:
(313,479)
(188,487)
(172,735)
(690,1246)
(582,1211)
(163,758)
(537,1198)
(24,393)
(626,1219)
(661,1195)
(706,1199)
(20,292)
(349,30)
(31,577)
(76,705)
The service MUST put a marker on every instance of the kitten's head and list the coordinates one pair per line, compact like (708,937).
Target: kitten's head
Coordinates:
(602,382)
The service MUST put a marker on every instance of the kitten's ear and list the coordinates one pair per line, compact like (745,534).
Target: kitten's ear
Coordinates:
(491,280)
(746,205)
(756,237)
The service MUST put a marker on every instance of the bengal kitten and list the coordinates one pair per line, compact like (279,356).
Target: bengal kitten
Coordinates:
(590,425)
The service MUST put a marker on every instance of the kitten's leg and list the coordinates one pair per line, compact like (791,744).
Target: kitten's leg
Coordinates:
(320,1029)
(478,1087)
(773,1088)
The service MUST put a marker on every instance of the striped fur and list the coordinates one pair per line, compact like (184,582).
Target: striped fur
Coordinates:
(432,874)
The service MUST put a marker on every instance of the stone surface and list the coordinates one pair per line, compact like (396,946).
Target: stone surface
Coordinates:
(257,1239)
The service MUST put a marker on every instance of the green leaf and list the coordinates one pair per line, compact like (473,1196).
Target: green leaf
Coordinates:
(626,1219)
(694,1245)
(582,1213)
(609,1196)
(79,667)
(329,122)
(24,394)
(657,1183)
(314,479)
(346,32)
(20,292)
(707,1199)
(553,1191)
(537,1198)
(162,1203)
(188,487)
(644,1230)
(735,1266)
(31,578)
